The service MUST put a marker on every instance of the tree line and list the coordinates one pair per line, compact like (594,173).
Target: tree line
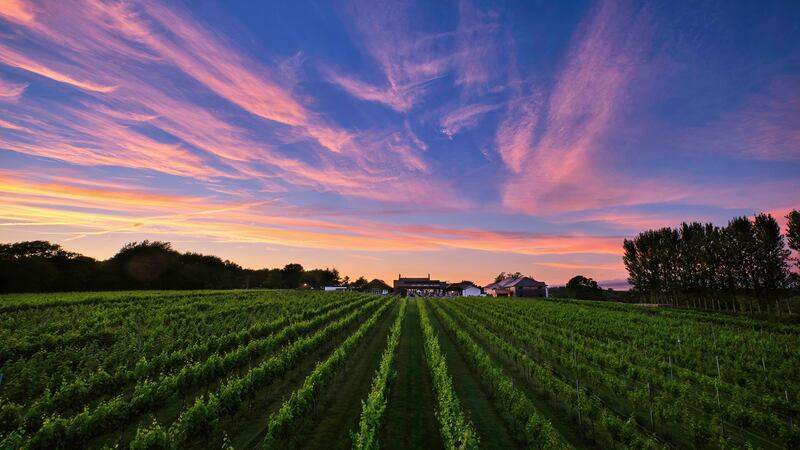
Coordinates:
(744,266)
(39,266)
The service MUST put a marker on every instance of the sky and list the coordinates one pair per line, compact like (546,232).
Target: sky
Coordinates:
(458,139)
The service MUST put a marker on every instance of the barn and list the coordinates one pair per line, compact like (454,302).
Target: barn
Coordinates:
(517,287)
(377,286)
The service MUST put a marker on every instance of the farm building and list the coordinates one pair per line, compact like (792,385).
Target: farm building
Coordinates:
(463,289)
(419,287)
(517,287)
(335,288)
(377,286)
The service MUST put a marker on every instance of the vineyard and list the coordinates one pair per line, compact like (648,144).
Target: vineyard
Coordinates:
(292,369)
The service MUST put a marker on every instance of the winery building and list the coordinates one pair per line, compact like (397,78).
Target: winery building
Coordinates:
(419,287)
(517,287)
(377,286)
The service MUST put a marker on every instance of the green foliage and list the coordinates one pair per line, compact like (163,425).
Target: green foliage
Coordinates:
(39,266)
(372,409)
(584,288)
(83,370)
(302,400)
(743,266)
(456,429)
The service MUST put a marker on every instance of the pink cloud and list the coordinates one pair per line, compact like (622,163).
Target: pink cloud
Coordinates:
(156,33)
(464,117)
(17,11)
(561,162)
(393,96)
(766,127)
(96,210)
(13,58)
(478,49)
(131,60)
(11,92)
(407,57)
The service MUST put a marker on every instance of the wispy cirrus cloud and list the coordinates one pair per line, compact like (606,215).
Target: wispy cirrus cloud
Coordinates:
(478,59)
(408,59)
(465,117)
(557,141)
(11,92)
(19,60)
(133,61)
(35,200)
(17,11)
(765,127)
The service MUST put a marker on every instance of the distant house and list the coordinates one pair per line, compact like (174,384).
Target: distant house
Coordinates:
(463,289)
(377,286)
(419,287)
(517,287)
(335,288)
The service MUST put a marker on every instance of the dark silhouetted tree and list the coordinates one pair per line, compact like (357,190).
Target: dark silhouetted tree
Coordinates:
(584,288)
(793,233)
(359,283)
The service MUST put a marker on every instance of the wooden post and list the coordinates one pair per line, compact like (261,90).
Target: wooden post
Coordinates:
(785,395)
(578,405)
(719,405)
(650,397)
(670,367)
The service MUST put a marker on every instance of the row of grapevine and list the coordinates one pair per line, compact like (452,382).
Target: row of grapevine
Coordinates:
(77,392)
(117,338)
(672,395)
(567,395)
(539,431)
(202,417)
(59,431)
(366,438)
(302,400)
(456,429)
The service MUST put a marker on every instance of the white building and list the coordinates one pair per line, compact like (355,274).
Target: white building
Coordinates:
(464,289)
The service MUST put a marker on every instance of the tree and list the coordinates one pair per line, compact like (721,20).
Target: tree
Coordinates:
(584,288)
(503,275)
(793,233)
(292,275)
(360,283)
(772,258)
(144,265)
(741,265)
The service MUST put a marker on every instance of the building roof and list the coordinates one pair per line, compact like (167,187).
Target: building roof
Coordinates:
(511,282)
(377,284)
(461,286)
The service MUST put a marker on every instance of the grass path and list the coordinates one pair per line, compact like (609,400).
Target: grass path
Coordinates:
(409,420)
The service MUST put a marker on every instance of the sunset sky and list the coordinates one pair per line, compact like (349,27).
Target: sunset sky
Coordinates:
(459,139)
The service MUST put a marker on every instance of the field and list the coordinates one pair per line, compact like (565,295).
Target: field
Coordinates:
(290,369)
